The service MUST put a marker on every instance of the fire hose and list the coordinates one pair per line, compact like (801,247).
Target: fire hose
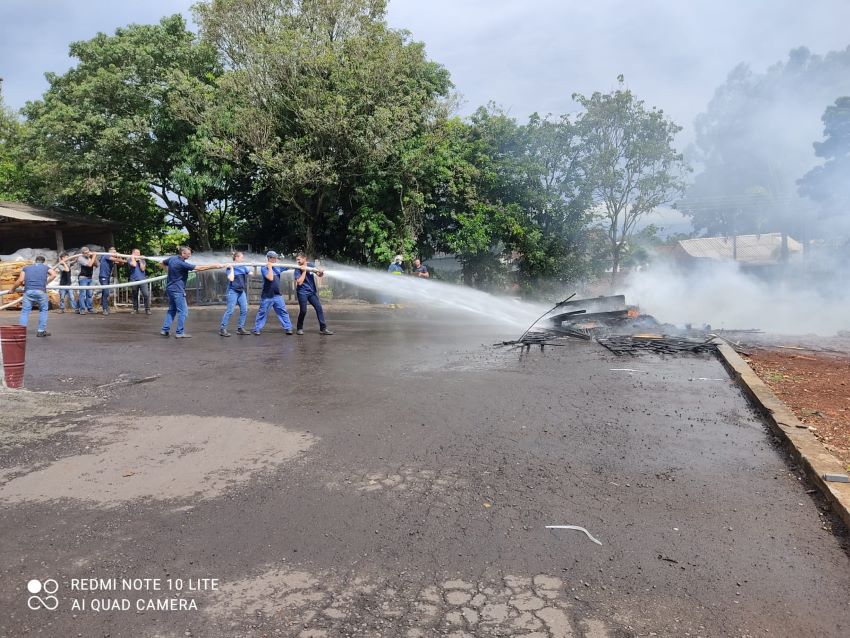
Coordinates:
(128,284)
(136,283)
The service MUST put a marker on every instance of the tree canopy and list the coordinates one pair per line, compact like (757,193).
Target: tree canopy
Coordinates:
(829,184)
(632,162)
(312,125)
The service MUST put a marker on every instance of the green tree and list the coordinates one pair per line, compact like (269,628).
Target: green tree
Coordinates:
(552,241)
(13,179)
(324,93)
(829,184)
(633,166)
(105,138)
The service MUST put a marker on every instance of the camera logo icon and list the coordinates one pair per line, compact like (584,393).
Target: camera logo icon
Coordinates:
(48,587)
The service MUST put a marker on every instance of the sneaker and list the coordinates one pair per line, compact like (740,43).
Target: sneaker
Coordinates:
(134,312)
(289,332)
(182,336)
(256,333)
(164,333)
(147,312)
(61,311)
(42,333)
(81,312)
(242,331)
(325,331)
(299,331)
(105,313)
(223,333)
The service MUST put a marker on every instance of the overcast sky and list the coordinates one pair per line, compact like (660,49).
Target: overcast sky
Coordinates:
(526,55)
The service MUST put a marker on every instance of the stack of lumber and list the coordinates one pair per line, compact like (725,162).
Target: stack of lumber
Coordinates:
(9,271)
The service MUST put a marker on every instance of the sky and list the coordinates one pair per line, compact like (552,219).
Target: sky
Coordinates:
(525,55)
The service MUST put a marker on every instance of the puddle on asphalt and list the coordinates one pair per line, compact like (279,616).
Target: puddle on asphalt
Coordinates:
(161,458)
(319,604)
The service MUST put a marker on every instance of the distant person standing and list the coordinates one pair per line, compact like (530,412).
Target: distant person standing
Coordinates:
(107,266)
(395,268)
(138,272)
(87,262)
(178,269)
(237,294)
(35,278)
(305,290)
(420,270)
(64,268)
(270,297)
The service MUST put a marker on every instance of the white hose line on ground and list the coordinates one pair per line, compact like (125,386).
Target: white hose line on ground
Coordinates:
(12,303)
(160,278)
(129,284)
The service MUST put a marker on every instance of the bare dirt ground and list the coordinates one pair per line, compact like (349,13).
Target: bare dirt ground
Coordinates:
(397,479)
(816,386)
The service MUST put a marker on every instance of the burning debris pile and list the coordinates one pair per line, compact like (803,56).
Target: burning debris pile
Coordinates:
(610,322)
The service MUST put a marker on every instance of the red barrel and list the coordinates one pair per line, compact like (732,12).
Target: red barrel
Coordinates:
(13,342)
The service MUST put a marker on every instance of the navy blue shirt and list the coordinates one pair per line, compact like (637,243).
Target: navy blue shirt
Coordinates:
(106,265)
(178,273)
(35,277)
(136,273)
(309,285)
(240,279)
(271,287)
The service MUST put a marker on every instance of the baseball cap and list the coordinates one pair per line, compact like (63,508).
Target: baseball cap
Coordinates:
(272,253)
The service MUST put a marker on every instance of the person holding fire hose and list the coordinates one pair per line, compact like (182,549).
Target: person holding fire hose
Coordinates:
(305,290)
(270,297)
(87,262)
(35,278)
(177,274)
(237,294)
(64,268)
(107,265)
(138,272)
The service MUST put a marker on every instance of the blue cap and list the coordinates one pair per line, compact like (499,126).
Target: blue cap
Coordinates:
(271,253)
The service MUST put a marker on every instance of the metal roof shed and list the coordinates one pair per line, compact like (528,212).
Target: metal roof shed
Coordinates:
(23,226)
(752,250)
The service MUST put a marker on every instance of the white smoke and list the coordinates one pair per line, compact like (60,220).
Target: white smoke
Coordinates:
(722,295)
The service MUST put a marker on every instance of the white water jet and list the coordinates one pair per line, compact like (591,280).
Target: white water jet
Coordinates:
(409,289)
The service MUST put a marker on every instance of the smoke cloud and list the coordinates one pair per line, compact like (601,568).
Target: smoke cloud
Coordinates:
(724,296)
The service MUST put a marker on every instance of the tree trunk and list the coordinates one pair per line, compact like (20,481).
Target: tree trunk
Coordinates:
(198,208)
(615,264)
(310,240)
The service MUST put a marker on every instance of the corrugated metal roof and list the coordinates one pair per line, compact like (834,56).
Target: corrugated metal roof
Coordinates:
(753,249)
(24,212)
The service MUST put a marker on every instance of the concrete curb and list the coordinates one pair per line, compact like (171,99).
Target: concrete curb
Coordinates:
(796,436)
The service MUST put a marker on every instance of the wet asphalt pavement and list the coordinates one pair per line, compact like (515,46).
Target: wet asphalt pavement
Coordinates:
(396,479)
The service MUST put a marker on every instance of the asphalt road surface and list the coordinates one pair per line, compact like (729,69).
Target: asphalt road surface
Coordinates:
(396,479)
